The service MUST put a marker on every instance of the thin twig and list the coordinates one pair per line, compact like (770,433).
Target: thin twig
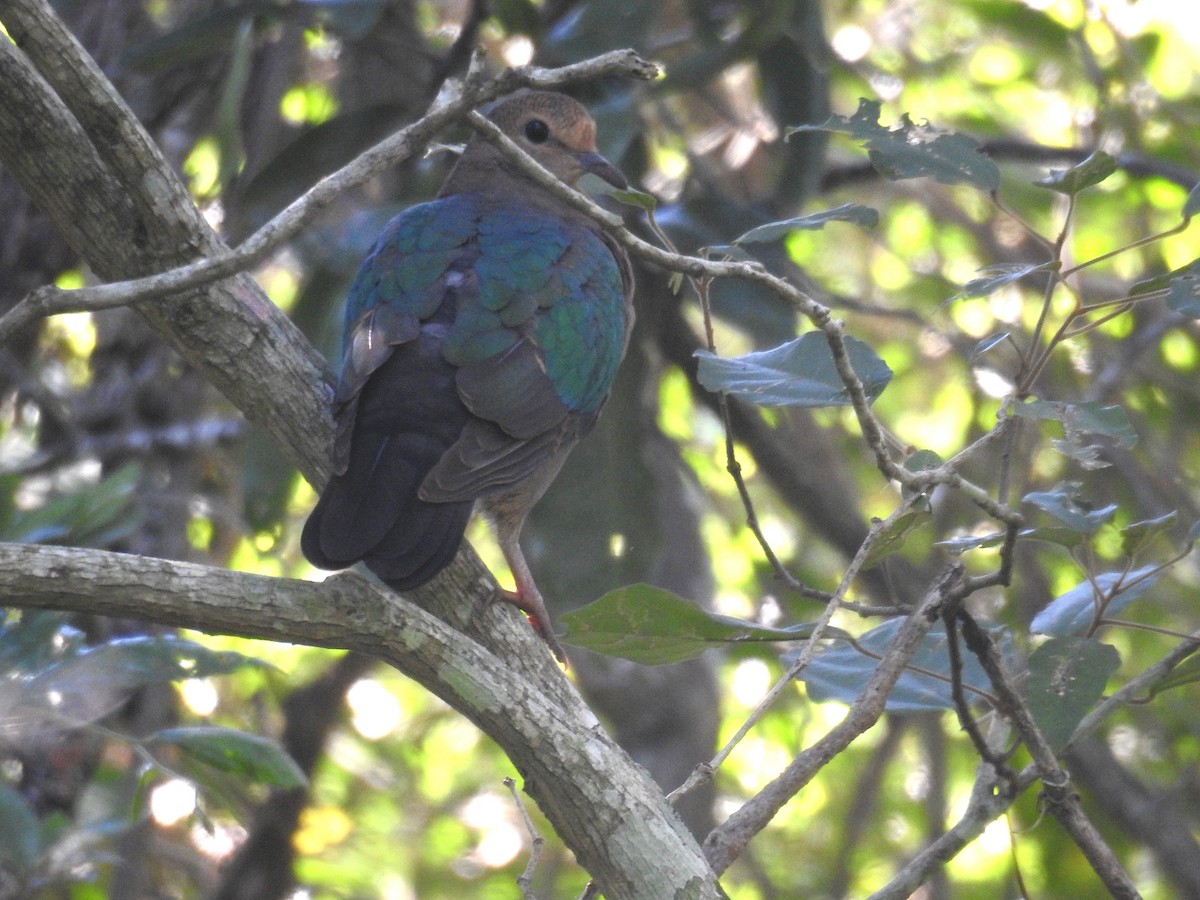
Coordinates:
(536,842)
(476,90)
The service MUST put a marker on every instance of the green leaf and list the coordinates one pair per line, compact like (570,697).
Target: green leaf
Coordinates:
(997,276)
(840,672)
(1163,282)
(1187,672)
(245,755)
(911,150)
(1088,173)
(799,373)
(1183,295)
(988,343)
(90,684)
(847,212)
(1067,676)
(640,199)
(1072,613)
(652,626)
(20,836)
(91,516)
(891,540)
(36,641)
(1065,505)
(1135,538)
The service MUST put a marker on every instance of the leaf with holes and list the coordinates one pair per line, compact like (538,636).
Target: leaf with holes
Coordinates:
(1080,422)
(912,150)
(1067,676)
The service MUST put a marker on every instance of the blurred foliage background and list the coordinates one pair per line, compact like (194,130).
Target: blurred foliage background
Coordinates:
(108,441)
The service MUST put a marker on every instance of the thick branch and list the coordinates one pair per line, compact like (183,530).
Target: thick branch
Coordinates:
(603,805)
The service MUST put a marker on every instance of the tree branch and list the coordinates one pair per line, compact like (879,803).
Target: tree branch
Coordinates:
(726,841)
(603,805)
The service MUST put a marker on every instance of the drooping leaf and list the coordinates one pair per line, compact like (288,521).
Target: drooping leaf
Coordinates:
(840,672)
(894,538)
(652,626)
(1072,613)
(988,343)
(1187,672)
(236,752)
(847,212)
(1065,504)
(911,150)
(1136,537)
(1067,676)
(1191,205)
(997,276)
(1085,174)
(798,373)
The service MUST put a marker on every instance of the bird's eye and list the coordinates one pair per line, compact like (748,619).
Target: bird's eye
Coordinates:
(537,131)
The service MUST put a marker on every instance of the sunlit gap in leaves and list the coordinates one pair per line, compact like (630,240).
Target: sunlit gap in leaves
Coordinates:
(375,712)
(199,695)
(172,801)
(500,839)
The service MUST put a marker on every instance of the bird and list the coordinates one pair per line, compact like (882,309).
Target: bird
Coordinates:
(482,336)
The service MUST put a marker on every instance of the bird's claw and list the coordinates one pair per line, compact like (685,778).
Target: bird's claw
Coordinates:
(539,619)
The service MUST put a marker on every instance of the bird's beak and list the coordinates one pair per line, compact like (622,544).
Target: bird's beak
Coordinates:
(602,168)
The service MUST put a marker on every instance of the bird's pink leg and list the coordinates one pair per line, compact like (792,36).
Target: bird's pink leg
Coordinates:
(528,598)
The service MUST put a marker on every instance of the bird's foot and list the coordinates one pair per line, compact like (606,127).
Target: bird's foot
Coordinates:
(535,609)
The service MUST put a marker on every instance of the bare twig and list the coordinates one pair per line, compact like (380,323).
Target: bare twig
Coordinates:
(1063,802)
(727,841)
(536,842)
(403,144)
